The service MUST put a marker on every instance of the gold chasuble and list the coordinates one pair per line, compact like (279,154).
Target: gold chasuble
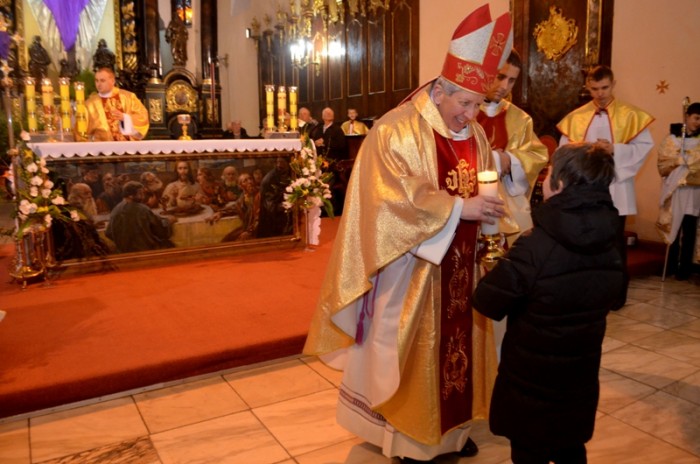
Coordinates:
(109,104)
(419,362)
(103,127)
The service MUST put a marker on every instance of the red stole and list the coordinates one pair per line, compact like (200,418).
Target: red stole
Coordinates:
(109,104)
(457,168)
(495,129)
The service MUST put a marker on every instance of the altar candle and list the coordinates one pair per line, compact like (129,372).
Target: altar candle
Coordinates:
(488,186)
(30,94)
(293,108)
(281,104)
(81,119)
(270,106)
(64,92)
(79,92)
(31,121)
(46,93)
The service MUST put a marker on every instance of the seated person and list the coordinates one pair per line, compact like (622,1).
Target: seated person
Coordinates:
(78,239)
(153,189)
(352,126)
(247,207)
(134,227)
(210,191)
(235,131)
(111,194)
(229,179)
(182,192)
(114,114)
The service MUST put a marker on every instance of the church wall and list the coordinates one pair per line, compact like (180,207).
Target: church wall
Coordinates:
(650,44)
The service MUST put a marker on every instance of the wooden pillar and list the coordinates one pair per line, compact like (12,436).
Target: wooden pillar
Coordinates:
(152,52)
(211,90)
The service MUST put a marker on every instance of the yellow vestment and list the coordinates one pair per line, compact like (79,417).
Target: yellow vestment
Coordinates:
(626,122)
(394,204)
(99,122)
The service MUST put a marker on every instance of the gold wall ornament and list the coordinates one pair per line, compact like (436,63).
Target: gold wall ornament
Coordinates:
(155,110)
(556,35)
(180,96)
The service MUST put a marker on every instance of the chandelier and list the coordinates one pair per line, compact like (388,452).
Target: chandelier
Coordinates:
(295,27)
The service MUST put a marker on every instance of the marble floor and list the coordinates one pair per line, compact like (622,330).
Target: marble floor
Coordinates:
(283,411)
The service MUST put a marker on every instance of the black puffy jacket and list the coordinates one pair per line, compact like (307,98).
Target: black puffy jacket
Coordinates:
(556,285)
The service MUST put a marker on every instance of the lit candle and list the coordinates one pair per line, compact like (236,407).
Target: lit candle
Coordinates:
(30,94)
(46,93)
(281,106)
(270,106)
(293,108)
(79,92)
(31,122)
(488,186)
(64,92)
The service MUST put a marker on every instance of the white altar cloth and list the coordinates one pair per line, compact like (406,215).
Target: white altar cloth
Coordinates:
(154,147)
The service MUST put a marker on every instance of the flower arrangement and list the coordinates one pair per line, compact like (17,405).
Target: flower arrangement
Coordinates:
(309,187)
(38,203)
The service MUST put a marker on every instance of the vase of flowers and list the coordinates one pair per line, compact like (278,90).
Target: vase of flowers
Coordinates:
(309,190)
(37,204)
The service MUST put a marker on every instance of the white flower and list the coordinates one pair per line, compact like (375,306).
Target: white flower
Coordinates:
(32,167)
(289,189)
(59,200)
(48,184)
(33,191)
(36,180)
(46,193)
(42,162)
(305,171)
(47,220)
(74,215)
(287,205)
(24,135)
(26,207)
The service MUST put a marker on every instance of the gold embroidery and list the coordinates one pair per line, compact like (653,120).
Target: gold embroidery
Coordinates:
(556,35)
(454,371)
(459,283)
(461,179)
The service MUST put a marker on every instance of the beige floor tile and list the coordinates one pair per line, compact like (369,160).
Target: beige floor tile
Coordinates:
(69,432)
(673,345)
(333,376)
(186,404)
(691,329)
(235,439)
(646,366)
(682,302)
(610,344)
(667,417)
(354,451)
(628,330)
(14,442)
(656,315)
(615,442)
(617,391)
(277,382)
(687,388)
(139,451)
(304,424)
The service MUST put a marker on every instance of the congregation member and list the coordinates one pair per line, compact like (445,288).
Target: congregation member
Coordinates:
(395,305)
(556,286)
(679,167)
(114,114)
(235,131)
(306,122)
(329,138)
(622,131)
(518,153)
(352,126)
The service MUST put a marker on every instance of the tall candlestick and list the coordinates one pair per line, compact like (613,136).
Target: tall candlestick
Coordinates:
(281,108)
(64,92)
(30,96)
(488,186)
(79,88)
(293,124)
(47,103)
(80,110)
(270,107)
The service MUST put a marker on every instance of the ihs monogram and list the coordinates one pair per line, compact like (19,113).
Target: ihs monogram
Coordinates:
(461,179)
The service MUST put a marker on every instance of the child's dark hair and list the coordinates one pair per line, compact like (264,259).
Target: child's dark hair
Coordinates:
(581,164)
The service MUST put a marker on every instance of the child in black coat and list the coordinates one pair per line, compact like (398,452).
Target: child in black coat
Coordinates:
(556,285)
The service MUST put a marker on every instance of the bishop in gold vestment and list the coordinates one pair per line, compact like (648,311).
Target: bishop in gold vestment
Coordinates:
(395,307)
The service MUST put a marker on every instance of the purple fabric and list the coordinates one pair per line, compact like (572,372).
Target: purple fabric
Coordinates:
(66,13)
(4,45)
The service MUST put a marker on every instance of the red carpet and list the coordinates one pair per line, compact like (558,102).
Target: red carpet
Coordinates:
(98,334)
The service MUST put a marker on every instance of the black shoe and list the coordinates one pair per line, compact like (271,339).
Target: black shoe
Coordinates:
(469,449)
